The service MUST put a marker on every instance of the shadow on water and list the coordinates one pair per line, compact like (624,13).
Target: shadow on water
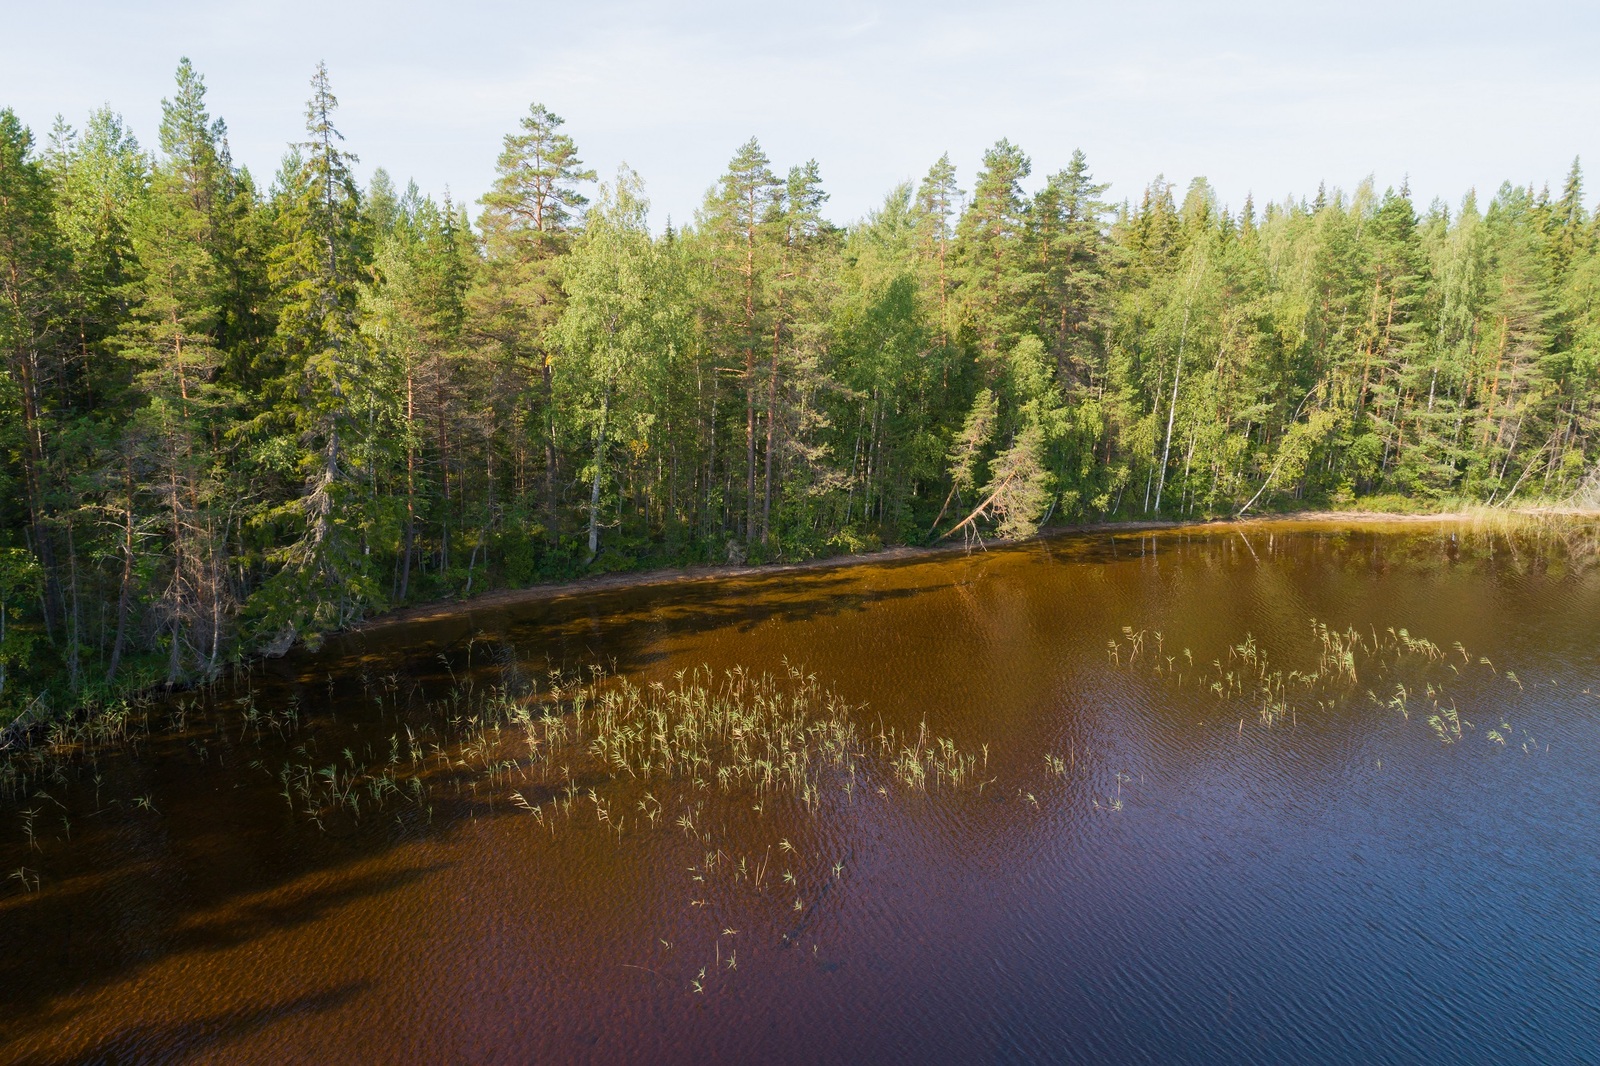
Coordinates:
(175,1041)
(125,898)
(624,629)
(178,843)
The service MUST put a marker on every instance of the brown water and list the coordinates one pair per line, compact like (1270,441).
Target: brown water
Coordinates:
(1193,882)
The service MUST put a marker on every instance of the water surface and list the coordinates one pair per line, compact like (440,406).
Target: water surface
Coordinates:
(1190,883)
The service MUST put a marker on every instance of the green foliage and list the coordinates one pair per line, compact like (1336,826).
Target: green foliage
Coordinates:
(232,418)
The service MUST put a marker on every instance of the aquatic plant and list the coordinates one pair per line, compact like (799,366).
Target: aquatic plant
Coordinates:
(930,759)
(1345,658)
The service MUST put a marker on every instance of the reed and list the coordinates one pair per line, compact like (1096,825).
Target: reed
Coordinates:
(930,760)
(543,749)
(1347,662)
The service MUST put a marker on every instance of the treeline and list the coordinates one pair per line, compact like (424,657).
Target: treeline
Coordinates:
(234,416)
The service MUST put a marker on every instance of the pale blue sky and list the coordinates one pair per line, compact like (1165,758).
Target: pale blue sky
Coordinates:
(1258,97)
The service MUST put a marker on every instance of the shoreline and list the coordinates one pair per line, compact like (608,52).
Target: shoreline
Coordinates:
(495,599)
(20,728)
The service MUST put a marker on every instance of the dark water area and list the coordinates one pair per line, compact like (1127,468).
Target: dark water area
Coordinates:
(1145,868)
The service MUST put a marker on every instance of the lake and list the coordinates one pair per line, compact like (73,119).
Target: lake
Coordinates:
(1272,792)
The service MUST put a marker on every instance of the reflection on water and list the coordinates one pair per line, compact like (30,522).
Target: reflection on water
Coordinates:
(1191,833)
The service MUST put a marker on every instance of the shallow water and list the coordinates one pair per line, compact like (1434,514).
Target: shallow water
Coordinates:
(1195,884)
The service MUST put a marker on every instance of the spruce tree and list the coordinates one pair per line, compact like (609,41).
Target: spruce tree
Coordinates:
(32,264)
(323,581)
(1067,244)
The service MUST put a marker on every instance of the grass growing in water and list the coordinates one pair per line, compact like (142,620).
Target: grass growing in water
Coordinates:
(1349,663)
(742,730)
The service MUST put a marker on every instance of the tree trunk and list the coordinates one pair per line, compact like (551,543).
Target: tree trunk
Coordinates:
(411,483)
(548,375)
(1172,406)
(33,481)
(594,488)
(750,373)
(772,405)
(126,593)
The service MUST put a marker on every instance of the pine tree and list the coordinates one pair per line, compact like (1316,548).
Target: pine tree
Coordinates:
(937,201)
(169,339)
(737,219)
(535,198)
(994,271)
(527,223)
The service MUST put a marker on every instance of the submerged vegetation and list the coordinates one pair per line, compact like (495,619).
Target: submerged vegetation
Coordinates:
(239,411)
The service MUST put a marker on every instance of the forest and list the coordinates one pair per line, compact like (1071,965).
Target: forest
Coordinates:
(238,414)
